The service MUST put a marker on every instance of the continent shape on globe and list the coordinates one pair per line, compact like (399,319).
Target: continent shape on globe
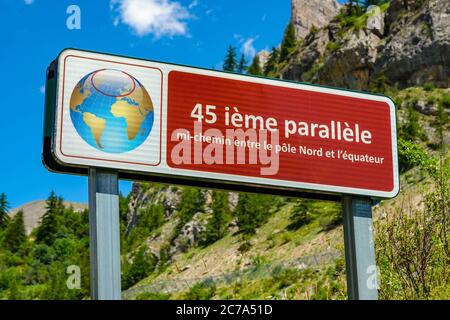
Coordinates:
(111,111)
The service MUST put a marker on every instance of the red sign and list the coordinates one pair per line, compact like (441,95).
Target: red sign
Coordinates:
(155,121)
(286,134)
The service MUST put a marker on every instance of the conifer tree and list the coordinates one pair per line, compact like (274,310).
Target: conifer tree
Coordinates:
(255,67)
(15,235)
(191,202)
(299,215)
(4,209)
(288,43)
(217,224)
(271,65)
(242,66)
(252,210)
(47,231)
(230,63)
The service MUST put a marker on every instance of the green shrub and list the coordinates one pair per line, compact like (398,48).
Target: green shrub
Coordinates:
(429,86)
(141,267)
(201,291)
(153,296)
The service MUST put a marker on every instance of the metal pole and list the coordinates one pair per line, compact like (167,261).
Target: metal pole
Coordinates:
(359,249)
(104,234)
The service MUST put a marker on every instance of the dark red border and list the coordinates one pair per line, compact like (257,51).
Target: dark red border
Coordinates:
(109,160)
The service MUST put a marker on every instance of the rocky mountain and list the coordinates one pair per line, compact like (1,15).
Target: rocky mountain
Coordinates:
(33,212)
(401,43)
(306,14)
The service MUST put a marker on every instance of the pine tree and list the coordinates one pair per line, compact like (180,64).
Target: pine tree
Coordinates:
(242,66)
(271,65)
(217,224)
(47,231)
(4,209)
(230,63)
(252,210)
(288,43)
(299,215)
(191,202)
(141,267)
(15,235)
(255,67)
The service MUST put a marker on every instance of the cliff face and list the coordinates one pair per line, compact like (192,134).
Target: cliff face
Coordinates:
(403,45)
(308,13)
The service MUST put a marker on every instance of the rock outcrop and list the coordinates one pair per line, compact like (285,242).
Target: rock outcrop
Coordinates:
(308,13)
(402,46)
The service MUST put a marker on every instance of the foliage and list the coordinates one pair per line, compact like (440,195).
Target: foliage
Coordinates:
(192,201)
(271,66)
(37,270)
(153,296)
(429,86)
(150,218)
(242,66)
(4,210)
(48,229)
(412,130)
(230,63)
(299,215)
(413,245)
(217,224)
(15,236)
(201,291)
(252,210)
(289,42)
(255,67)
(141,266)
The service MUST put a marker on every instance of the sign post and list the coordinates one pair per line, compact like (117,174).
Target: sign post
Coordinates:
(359,249)
(104,235)
(144,120)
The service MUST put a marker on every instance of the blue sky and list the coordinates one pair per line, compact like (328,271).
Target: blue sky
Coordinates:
(32,33)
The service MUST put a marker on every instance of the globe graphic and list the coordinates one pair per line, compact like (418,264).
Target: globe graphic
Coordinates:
(111,111)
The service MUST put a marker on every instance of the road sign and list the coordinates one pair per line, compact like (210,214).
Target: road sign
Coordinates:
(155,120)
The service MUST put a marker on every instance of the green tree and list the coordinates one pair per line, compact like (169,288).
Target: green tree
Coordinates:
(217,224)
(48,229)
(242,66)
(441,124)
(252,210)
(272,63)
(4,209)
(15,236)
(230,63)
(255,67)
(412,130)
(299,215)
(191,202)
(143,264)
(289,42)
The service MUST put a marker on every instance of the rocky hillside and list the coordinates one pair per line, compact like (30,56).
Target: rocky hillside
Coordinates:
(400,43)
(306,14)
(400,48)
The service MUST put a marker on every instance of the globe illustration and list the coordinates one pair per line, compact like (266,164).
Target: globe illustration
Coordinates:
(111,111)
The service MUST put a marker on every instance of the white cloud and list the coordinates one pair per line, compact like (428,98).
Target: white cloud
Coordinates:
(248,49)
(158,17)
(28,2)
(193,4)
